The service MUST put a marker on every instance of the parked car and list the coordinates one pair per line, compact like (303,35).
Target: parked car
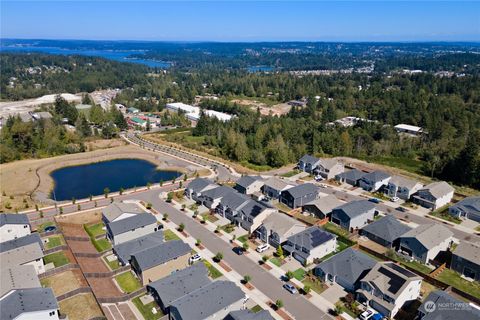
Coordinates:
(374,200)
(377,316)
(318,178)
(290,288)
(367,314)
(394,199)
(401,209)
(238,250)
(262,248)
(196,257)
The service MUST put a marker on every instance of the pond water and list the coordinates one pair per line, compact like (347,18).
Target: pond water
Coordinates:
(91,179)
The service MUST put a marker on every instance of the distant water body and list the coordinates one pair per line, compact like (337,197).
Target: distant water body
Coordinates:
(260,69)
(91,179)
(121,56)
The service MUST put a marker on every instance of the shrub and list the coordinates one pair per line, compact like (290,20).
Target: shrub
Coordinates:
(181,227)
(279,304)
(218,257)
(246,279)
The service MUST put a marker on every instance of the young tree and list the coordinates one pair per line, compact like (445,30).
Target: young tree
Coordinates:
(279,252)
(307,289)
(245,246)
(121,191)
(165,217)
(246,278)
(198,242)
(279,304)
(181,227)
(218,257)
(106,191)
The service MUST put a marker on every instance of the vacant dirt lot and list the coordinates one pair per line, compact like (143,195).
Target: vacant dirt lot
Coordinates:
(80,307)
(265,109)
(80,219)
(104,287)
(65,282)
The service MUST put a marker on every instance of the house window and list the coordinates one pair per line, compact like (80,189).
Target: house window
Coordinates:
(51,313)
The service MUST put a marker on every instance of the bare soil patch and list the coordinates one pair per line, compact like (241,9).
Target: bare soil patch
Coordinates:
(65,282)
(104,287)
(91,265)
(80,307)
(80,219)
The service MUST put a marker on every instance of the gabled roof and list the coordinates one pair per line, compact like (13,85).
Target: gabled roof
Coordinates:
(328,163)
(234,200)
(181,283)
(376,176)
(429,235)
(355,208)
(27,300)
(387,228)
(351,175)
(19,256)
(277,183)
(281,223)
(116,209)
(247,181)
(160,254)
(207,300)
(13,218)
(252,208)
(246,314)
(349,264)
(403,182)
(218,192)
(198,184)
(325,204)
(302,190)
(439,298)
(438,189)
(18,277)
(126,249)
(311,238)
(21,242)
(309,159)
(131,223)
(468,251)
(469,205)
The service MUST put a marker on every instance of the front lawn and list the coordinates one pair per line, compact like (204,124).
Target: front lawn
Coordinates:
(228,228)
(276,261)
(170,235)
(299,274)
(256,308)
(291,173)
(53,241)
(243,238)
(114,265)
(101,244)
(127,282)
(333,228)
(146,310)
(442,213)
(210,217)
(212,271)
(316,284)
(95,230)
(455,280)
(58,258)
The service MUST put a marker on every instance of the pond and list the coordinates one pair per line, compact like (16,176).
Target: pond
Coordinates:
(91,179)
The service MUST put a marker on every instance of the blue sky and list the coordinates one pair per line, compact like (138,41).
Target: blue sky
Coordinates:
(242,21)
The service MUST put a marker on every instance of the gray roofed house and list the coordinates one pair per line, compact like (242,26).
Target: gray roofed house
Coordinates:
(120,210)
(308,163)
(322,207)
(13,218)
(34,303)
(178,284)
(214,300)
(328,168)
(435,195)
(274,186)
(21,242)
(354,215)
(299,195)
(385,231)
(197,186)
(125,250)
(132,227)
(18,277)
(246,314)
(374,180)
(466,260)
(468,208)
(277,227)
(425,242)
(461,310)
(351,177)
(211,198)
(249,184)
(345,268)
(252,214)
(29,254)
(309,244)
(13,226)
(402,188)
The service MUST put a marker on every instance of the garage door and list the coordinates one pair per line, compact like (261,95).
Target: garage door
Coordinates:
(299,258)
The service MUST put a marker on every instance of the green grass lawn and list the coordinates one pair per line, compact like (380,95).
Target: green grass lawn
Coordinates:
(256,308)
(407,164)
(342,245)
(54,241)
(455,280)
(442,213)
(169,235)
(94,230)
(212,271)
(114,265)
(210,217)
(127,282)
(290,173)
(333,228)
(315,284)
(299,274)
(276,261)
(243,238)
(282,207)
(58,258)
(146,310)
(228,228)
(412,264)
(101,244)
(255,167)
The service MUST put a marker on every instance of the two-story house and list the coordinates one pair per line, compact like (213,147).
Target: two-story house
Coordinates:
(125,250)
(351,177)
(197,186)
(299,195)
(273,187)
(466,260)
(32,303)
(374,180)
(13,225)
(212,197)
(385,231)
(449,308)
(402,188)
(435,195)
(277,227)
(131,228)
(308,163)
(468,208)
(249,184)
(120,210)
(252,214)
(328,168)
(353,215)
(323,206)
(310,244)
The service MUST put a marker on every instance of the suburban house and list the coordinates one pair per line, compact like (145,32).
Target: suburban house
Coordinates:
(277,227)
(425,242)
(274,187)
(120,210)
(30,254)
(18,277)
(246,314)
(213,301)
(211,198)
(21,242)
(308,163)
(131,228)
(197,186)
(435,195)
(328,168)
(351,177)
(178,284)
(157,262)
(13,225)
(442,298)
(354,215)
(345,268)
(34,303)
(309,244)
(322,207)
(466,260)
(229,206)
(386,231)
(374,180)
(252,214)
(468,208)
(299,195)
(388,287)
(402,188)
(125,250)
(249,184)
(408,129)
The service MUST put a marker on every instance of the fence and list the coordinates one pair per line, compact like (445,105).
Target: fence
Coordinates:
(106,274)
(123,298)
(52,250)
(74,292)
(63,268)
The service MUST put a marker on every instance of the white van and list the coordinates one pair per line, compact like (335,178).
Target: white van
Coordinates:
(262,248)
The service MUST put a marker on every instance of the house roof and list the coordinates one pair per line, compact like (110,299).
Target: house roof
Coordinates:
(376,176)
(130,223)
(438,189)
(21,242)
(126,249)
(246,314)
(218,192)
(387,228)
(247,181)
(27,300)
(351,175)
(22,255)
(18,277)
(355,208)
(468,251)
(429,235)
(465,312)
(349,264)
(325,204)
(198,184)
(281,223)
(403,182)
(277,183)
(234,200)
(469,205)
(181,283)
(252,208)
(160,254)
(309,159)
(13,218)
(208,300)
(302,190)
(328,163)
(116,209)
(311,238)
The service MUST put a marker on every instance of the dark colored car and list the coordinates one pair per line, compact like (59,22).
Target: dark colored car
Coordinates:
(238,250)
(374,200)
(401,209)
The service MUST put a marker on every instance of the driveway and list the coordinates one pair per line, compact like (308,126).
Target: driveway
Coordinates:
(334,293)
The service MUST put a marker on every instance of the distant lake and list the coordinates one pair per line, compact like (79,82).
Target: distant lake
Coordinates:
(121,56)
(260,69)
(91,179)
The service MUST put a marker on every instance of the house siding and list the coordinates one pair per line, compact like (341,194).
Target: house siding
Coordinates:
(132,234)
(459,264)
(162,270)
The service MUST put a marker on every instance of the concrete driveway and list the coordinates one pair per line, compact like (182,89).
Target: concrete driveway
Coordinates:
(334,293)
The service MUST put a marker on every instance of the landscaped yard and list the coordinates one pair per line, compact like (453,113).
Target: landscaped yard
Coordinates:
(299,274)
(114,265)
(314,283)
(228,228)
(455,280)
(54,241)
(333,228)
(276,261)
(101,244)
(94,230)
(412,264)
(146,310)
(210,217)
(291,173)
(127,282)
(170,235)
(212,271)
(342,245)
(41,228)
(256,308)
(58,258)
(243,238)
(442,213)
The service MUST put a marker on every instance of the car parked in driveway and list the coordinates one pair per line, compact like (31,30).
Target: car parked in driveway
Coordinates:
(196,257)
(262,248)
(290,288)
(366,315)
(394,199)
(374,200)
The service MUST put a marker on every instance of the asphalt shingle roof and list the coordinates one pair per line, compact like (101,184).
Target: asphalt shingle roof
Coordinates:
(311,238)
(13,218)
(468,251)
(27,300)
(277,183)
(429,235)
(469,205)
(21,242)
(403,182)
(246,314)
(325,204)
(463,310)
(355,208)
(438,189)
(387,228)
(218,192)
(126,249)
(130,223)
(234,200)
(376,176)
(199,184)
(302,190)
(18,256)
(281,223)
(246,181)
(116,209)
(18,277)
(160,254)
(309,159)
(351,175)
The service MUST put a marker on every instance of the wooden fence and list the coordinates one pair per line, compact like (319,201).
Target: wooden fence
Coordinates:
(63,268)
(106,274)
(123,298)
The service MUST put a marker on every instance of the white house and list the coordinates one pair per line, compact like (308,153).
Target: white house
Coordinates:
(435,195)
(402,188)
(310,244)
(329,168)
(274,186)
(131,228)
(13,226)
(373,181)
(409,129)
